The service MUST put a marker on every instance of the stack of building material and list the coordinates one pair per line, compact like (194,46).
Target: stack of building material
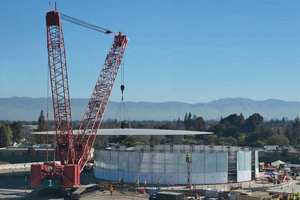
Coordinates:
(169,196)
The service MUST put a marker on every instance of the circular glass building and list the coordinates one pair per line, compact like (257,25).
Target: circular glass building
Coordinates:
(168,163)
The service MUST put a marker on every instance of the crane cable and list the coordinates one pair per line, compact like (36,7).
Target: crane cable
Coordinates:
(122,110)
(122,106)
(85,24)
(122,79)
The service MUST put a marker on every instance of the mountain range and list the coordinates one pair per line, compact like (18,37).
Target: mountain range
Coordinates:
(28,109)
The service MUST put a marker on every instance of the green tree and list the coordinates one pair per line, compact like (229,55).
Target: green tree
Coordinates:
(41,122)
(241,140)
(295,132)
(218,129)
(280,140)
(233,120)
(228,141)
(264,132)
(5,135)
(210,139)
(16,131)
(190,141)
(41,139)
(188,121)
(232,131)
(251,139)
(130,141)
(199,124)
(259,143)
(252,122)
(290,135)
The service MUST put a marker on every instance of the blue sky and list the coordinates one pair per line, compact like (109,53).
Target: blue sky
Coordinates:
(187,51)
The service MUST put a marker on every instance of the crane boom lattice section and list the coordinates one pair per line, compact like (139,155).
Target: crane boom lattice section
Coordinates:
(93,115)
(60,88)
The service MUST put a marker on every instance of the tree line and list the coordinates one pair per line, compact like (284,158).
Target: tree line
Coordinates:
(13,132)
(233,130)
(10,133)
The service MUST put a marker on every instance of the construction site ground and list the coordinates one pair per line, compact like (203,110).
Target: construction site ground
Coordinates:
(14,185)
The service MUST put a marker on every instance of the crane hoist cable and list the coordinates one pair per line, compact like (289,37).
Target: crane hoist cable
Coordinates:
(85,24)
(122,113)
(122,80)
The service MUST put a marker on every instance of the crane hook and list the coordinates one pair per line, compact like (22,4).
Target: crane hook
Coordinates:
(122,89)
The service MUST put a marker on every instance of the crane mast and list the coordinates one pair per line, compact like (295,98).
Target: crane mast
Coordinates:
(74,151)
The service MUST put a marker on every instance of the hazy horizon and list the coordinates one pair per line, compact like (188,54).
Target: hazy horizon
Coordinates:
(195,51)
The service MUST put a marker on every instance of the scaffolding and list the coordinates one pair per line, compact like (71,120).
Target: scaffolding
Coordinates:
(232,167)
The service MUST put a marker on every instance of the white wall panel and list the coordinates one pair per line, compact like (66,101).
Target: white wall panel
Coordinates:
(240,161)
(171,178)
(132,176)
(156,176)
(211,178)
(134,162)
(197,178)
(158,163)
(123,161)
(247,162)
(182,163)
(98,173)
(171,163)
(114,160)
(243,166)
(146,163)
(256,166)
(210,162)
(222,162)
(182,178)
(243,176)
(125,175)
(106,174)
(198,163)
(147,177)
(114,175)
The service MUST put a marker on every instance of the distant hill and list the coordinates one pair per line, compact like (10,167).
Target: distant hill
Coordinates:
(24,108)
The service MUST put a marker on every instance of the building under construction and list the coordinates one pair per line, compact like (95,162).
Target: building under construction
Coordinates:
(168,163)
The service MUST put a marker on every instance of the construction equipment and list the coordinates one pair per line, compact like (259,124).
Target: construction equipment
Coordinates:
(188,166)
(74,150)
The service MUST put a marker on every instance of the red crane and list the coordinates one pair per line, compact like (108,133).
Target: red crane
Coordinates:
(74,150)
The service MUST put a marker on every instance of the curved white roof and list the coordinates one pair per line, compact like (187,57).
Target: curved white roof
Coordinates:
(130,131)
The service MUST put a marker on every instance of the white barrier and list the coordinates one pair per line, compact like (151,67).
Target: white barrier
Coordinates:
(18,166)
